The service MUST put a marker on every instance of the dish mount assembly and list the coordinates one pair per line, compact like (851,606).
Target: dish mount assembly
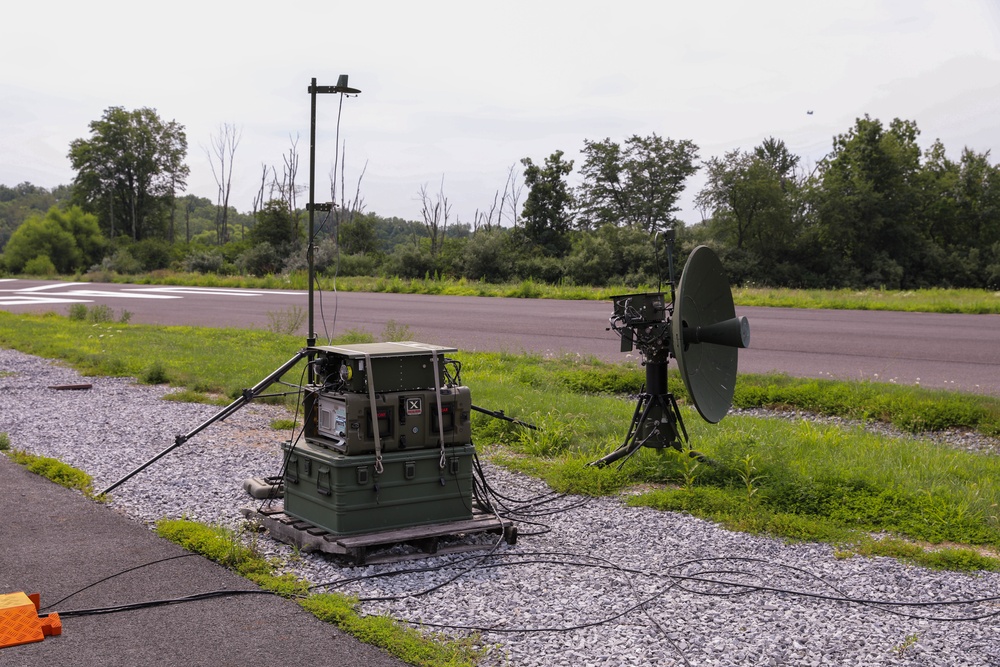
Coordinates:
(697,325)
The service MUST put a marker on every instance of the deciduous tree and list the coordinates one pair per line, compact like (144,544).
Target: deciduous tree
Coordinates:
(129,170)
(636,185)
(70,239)
(548,211)
(868,204)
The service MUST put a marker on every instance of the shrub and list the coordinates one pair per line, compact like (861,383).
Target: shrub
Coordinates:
(40,266)
(151,254)
(260,260)
(406,261)
(203,261)
(78,312)
(356,265)
(122,262)
(155,373)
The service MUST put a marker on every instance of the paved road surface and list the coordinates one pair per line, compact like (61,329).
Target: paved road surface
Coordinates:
(958,352)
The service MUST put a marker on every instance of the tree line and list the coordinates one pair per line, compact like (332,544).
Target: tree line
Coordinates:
(876,211)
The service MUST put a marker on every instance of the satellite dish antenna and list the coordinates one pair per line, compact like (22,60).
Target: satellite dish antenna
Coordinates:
(705,334)
(698,327)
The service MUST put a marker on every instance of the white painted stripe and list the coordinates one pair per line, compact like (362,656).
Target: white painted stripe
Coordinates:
(212,290)
(193,290)
(118,295)
(41,288)
(38,300)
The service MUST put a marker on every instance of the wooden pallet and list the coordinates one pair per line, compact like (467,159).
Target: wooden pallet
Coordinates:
(370,548)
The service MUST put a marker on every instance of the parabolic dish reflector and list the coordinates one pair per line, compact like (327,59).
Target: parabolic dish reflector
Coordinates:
(704,300)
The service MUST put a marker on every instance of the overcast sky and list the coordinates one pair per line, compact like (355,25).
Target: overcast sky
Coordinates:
(463,90)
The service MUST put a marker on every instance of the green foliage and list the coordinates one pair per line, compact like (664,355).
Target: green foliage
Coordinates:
(58,242)
(899,405)
(635,185)
(204,261)
(40,266)
(286,322)
(55,470)
(121,262)
(4,442)
(946,558)
(78,312)
(193,396)
(100,313)
(97,314)
(409,261)
(754,198)
(238,552)
(260,260)
(547,211)
(276,225)
(358,235)
(233,550)
(129,170)
(22,201)
(155,373)
(396,332)
(790,477)
(405,643)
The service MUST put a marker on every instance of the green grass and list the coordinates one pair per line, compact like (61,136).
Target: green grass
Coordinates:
(403,642)
(795,479)
(792,478)
(973,301)
(231,550)
(55,470)
(936,300)
(227,548)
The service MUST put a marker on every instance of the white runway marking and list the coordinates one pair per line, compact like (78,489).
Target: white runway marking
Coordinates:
(36,300)
(57,293)
(40,288)
(118,295)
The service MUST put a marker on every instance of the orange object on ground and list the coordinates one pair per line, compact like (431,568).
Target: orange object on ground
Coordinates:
(20,622)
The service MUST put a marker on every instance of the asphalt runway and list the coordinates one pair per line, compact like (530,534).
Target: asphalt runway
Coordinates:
(941,351)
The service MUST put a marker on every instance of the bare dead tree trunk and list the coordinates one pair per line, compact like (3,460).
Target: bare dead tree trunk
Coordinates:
(512,196)
(486,219)
(435,216)
(258,199)
(346,209)
(220,157)
(291,170)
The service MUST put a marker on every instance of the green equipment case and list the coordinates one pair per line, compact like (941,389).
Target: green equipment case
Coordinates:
(345,494)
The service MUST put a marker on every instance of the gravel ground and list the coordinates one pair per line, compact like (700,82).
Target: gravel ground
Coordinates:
(606,585)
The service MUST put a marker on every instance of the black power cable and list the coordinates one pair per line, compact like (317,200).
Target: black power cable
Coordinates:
(116,574)
(75,613)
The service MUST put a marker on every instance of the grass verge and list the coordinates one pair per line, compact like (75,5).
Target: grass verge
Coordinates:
(52,469)
(227,548)
(936,300)
(793,477)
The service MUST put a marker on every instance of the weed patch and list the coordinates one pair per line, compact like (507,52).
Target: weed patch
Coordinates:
(404,643)
(55,470)
(229,549)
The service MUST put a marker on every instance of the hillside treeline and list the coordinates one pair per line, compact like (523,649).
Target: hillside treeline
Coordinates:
(877,211)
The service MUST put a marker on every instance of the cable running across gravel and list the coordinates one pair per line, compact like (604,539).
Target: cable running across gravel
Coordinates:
(606,584)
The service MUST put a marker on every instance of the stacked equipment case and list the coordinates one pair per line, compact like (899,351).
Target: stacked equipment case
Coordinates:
(388,440)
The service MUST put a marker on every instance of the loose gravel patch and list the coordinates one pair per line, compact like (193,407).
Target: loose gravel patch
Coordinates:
(603,584)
